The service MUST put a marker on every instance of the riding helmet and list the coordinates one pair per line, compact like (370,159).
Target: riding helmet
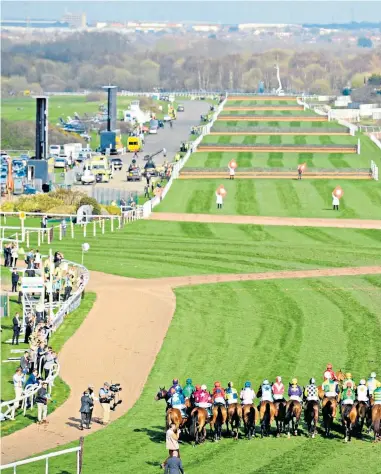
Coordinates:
(247,384)
(312,380)
(348,375)
(204,387)
(362,382)
(294,381)
(189,381)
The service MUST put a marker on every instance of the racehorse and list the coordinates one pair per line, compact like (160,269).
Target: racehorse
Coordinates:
(293,412)
(219,417)
(234,416)
(280,414)
(197,425)
(364,415)
(249,416)
(329,413)
(376,422)
(266,415)
(348,420)
(172,415)
(311,416)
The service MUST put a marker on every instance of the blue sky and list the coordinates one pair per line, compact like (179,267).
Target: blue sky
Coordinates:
(223,11)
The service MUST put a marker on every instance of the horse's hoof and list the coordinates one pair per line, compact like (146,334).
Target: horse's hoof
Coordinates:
(295,433)
(288,436)
(345,440)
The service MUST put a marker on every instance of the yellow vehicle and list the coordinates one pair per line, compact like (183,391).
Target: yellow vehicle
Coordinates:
(101,169)
(134,144)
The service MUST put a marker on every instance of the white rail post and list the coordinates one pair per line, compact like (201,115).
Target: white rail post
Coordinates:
(48,234)
(358,146)
(94,228)
(119,222)
(103,226)
(17,238)
(60,232)
(38,238)
(27,238)
(84,229)
(112,224)
(72,229)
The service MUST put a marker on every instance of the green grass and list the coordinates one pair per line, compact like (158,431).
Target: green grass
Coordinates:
(220,125)
(281,139)
(251,330)
(263,103)
(60,390)
(271,197)
(270,113)
(147,249)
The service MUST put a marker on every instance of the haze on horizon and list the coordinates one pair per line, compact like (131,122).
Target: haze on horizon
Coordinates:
(213,11)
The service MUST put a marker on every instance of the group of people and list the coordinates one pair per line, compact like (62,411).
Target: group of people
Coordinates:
(365,391)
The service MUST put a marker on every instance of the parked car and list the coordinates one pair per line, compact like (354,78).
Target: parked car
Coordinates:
(117,163)
(180,108)
(134,174)
(167,118)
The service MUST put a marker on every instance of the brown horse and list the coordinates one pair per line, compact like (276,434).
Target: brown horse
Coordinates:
(172,415)
(311,416)
(234,416)
(364,415)
(293,412)
(280,415)
(219,417)
(266,415)
(197,425)
(329,407)
(249,416)
(376,422)
(348,420)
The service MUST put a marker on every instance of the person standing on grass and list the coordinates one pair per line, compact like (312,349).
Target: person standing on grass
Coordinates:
(42,403)
(16,329)
(174,465)
(15,280)
(18,383)
(63,227)
(171,442)
(335,202)
(231,172)
(50,360)
(37,259)
(219,200)
(300,172)
(15,255)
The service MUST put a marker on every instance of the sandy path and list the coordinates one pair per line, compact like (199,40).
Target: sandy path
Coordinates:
(126,326)
(264,220)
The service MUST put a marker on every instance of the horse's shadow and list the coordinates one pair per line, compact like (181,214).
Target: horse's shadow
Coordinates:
(155,433)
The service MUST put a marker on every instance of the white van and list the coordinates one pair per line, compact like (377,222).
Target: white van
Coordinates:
(54,150)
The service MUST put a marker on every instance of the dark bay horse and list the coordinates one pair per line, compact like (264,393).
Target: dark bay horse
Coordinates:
(249,416)
(172,415)
(311,417)
(293,412)
(364,415)
(197,426)
(266,415)
(280,415)
(348,420)
(376,422)
(329,407)
(234,416)
(219,417)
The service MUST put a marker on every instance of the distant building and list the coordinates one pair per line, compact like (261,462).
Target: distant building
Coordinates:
(33,24)
(206,28)
(75,20)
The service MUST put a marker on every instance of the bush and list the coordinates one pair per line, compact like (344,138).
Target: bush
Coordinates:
(62,209)
(112,210)
(7,206)
(37,203)
(67,196)
(89,201)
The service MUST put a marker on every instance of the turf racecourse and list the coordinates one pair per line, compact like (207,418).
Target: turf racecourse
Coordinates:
(254,330)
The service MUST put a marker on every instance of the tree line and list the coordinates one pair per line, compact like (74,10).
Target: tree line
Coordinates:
(90,60)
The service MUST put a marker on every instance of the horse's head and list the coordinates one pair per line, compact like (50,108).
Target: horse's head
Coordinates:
(340,375)
(161,394)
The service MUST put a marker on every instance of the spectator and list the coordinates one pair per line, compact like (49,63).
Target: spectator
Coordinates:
(42,403)
(18,382)
(86,409)
(174,465)
(6,252)
(29,323)
(16,329)
(68,287)
(171,442)
(148,177)
(37,259)
(19,300)
(29,257)
(44,222)
(15,280)
(15,255)
(40,357)
(30,271)
(146,191)
(56,289)
(33,378)
(50,360)
(93,398)
(25,363)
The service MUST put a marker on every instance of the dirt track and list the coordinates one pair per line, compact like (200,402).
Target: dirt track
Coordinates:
(119,341)
(264,220)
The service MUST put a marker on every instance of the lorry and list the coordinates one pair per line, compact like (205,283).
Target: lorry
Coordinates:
(72,151)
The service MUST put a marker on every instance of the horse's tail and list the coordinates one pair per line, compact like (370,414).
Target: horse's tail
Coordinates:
(267,415)
(251,416)
(193,424)
(220,416)
(289,413)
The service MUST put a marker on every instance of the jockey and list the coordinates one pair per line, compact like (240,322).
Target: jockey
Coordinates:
(330,387)
(175,383)
(348,394)
(311,391)
(331,372)
(348,382)
(197,391)
(218,394)
(247,394)
(278,389)
(362,392)
(177,400)
(377,394)
(231,395)
(189,389)
(372,382)
(202,398)
(294,390)
(266,393)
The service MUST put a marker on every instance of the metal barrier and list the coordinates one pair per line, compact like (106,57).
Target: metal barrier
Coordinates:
(46,457)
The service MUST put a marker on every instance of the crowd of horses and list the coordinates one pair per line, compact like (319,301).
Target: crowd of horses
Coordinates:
(285,414)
